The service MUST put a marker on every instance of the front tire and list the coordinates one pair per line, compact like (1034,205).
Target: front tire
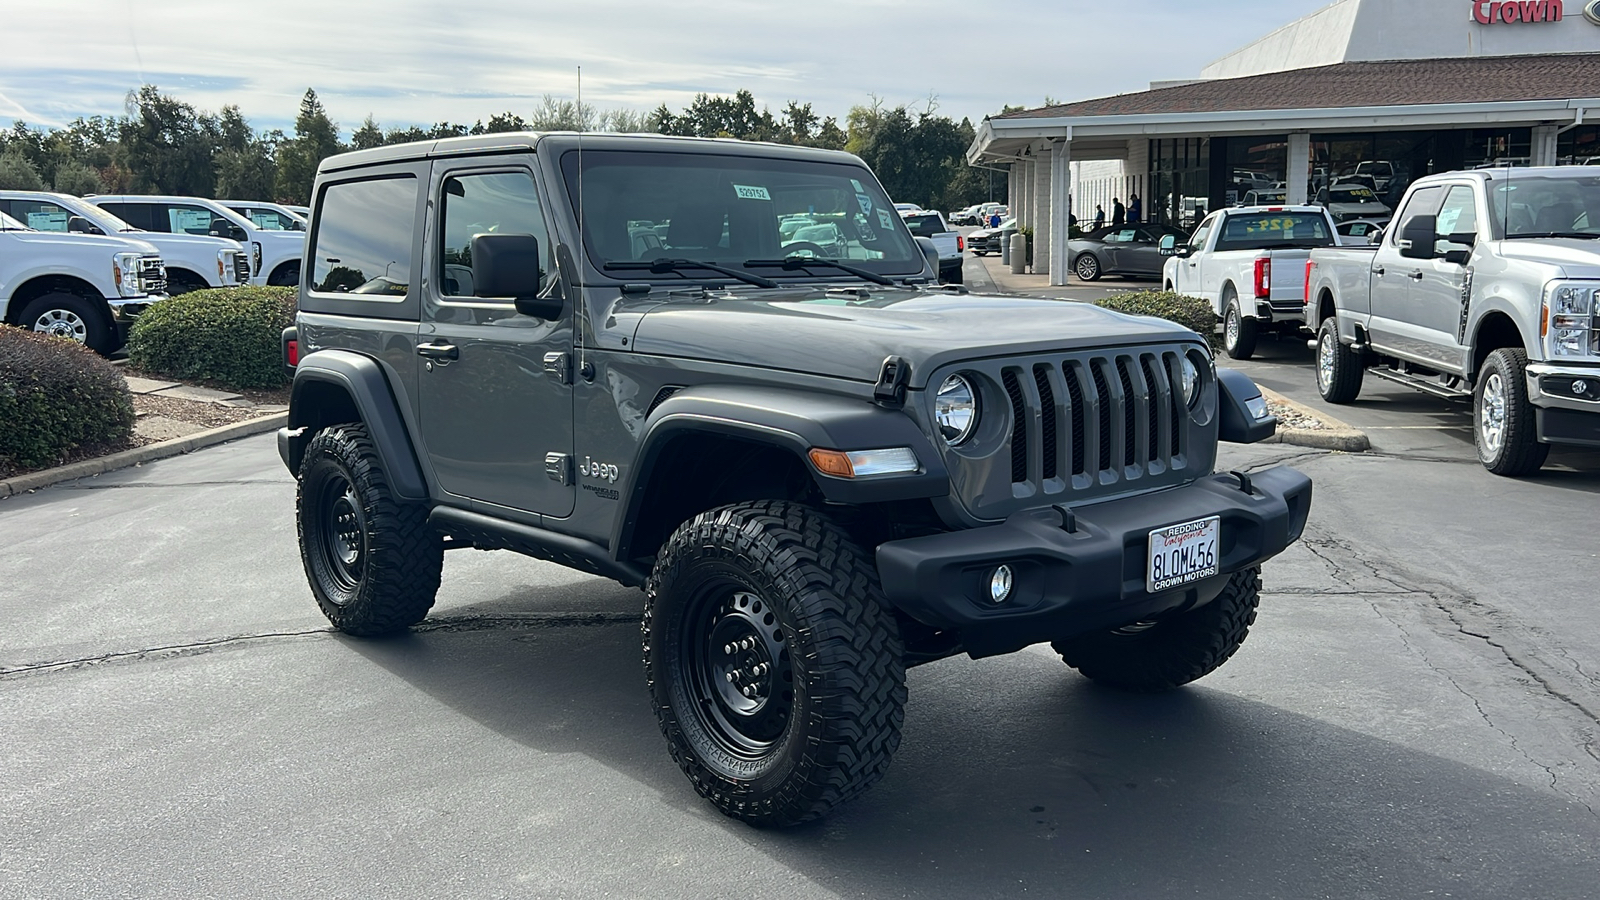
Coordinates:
(1238,331)
(1339,369)
(372,560)
(1087,267)
(774,664)
(67,315)
(1504,428)
(1172,652)
(287,275)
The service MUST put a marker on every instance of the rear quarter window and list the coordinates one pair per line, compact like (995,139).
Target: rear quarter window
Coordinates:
(364,240)
(925,226)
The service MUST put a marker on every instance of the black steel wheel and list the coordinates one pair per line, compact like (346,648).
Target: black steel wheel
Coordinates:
(774,664)
(372,561)
(1170,652)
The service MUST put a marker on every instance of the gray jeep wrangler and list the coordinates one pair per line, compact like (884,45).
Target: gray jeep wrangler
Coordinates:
(646,358)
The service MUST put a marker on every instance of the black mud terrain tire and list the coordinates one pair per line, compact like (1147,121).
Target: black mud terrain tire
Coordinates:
(373,561)
(1339,368)
(774,664)
(1238,329)
(1172,652)
(1503,424)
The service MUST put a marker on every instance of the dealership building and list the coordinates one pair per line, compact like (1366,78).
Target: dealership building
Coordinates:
(1359,94)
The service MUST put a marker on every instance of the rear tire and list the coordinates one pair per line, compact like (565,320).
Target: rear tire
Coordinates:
(1504,426)
(72,317)
(774,664)
(373,561)
(1339,369)
(1172,652)
(1238,330)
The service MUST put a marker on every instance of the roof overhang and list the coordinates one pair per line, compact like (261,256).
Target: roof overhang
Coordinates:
(1013,138)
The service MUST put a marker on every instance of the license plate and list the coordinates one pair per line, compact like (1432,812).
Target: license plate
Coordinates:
(1182,553)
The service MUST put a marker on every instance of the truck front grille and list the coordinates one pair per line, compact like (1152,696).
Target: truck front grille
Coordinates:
(152,275)
(1084,426)
(241,267)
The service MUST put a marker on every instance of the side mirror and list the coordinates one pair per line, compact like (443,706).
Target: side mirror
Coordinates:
(1169,245)
(930,252)
(80,225)
(1417,237)
(507,265)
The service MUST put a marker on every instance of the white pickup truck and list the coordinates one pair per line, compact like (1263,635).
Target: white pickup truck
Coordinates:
(952,246)
(85,287)
(193,261)
(274,255)
(1488,286)
(1249,262)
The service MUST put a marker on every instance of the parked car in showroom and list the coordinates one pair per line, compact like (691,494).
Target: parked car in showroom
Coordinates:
(1132,251)
(193,261)
(1349,200)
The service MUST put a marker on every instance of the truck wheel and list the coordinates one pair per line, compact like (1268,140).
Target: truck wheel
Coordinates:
(1087,267)
(1158,656)
(1339,369)
(952,275)
(1505,432)
(286,276)
(1238,330)
(774,665)
(373,561)
(69,316)
(182,282)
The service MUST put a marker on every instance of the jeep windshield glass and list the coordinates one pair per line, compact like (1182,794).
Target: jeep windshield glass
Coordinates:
(725,209)
(1546,205)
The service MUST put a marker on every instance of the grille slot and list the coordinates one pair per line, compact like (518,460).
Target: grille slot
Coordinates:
(1103,396)
(152,275)
(1047,405)
(1019,426)
(1080,460)
(1130,411)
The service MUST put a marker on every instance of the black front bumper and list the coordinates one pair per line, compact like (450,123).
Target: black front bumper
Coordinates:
(1090,578)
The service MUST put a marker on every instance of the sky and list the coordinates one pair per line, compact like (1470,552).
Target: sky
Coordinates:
(417,62)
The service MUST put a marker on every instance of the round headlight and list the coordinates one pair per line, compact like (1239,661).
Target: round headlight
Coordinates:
(955,410)
(1190,385)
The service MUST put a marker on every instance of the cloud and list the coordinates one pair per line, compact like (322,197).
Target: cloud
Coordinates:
(422,61)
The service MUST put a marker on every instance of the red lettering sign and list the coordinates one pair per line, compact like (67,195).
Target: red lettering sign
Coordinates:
(1515,12)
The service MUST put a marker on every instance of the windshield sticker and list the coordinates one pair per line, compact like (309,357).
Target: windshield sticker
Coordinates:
(885,219)
(858,187)
(745,192)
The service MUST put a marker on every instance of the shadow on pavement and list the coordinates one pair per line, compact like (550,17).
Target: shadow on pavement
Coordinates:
(1017,776)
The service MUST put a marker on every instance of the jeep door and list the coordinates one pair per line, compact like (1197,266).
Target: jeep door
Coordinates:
(494,397)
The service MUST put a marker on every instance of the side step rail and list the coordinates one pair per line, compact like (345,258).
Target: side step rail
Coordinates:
(1426,385)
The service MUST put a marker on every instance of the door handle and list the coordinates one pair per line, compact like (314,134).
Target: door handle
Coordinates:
(438,351)
(1415,276)
(1378,271)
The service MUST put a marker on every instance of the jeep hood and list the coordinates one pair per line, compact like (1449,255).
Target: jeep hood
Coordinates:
(849,338)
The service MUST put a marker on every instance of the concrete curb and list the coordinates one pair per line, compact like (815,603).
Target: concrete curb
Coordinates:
(148,453)
(1337,436)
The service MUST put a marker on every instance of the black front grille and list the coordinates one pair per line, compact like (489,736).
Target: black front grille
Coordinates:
(241,267)
(152,275)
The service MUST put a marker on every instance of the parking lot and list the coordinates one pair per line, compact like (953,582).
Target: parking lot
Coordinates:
(1415,713)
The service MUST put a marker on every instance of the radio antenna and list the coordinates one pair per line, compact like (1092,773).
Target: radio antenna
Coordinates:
(579,315)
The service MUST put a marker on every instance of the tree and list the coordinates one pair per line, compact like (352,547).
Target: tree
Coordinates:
(77,178)
(316,138)
(369,135)
(169,147)
(562,115)
(17,173)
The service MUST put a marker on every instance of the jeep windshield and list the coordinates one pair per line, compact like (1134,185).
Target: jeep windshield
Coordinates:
(1546,205)
(727,212)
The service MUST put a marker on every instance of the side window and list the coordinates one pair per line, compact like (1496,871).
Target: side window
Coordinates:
(1197,241)
(1458,218)
(363,238)
(491,203)
(185,219)
(139,215)
(40,215)
(1125,236)
(1423,202)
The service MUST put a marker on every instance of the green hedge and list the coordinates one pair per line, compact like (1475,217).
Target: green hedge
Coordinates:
(57,396)
(229,336)
(1190,312)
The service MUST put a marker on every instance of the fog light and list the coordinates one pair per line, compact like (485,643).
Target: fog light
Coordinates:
(1580,387)
(1000,584)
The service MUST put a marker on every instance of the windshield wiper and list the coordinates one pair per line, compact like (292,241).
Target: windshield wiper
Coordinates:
(1580,235)
(791,263)
(664,265)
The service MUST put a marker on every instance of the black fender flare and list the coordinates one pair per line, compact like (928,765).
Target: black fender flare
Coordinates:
(361,378)
(792,421)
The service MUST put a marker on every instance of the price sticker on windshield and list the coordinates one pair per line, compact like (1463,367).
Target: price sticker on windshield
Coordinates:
(1261,225)
(746,192)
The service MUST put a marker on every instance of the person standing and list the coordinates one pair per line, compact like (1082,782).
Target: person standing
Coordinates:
(1099,217)
(994,220)
(1135,209)
(1119,213)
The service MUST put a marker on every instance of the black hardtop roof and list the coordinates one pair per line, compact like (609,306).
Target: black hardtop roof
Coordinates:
(560,141)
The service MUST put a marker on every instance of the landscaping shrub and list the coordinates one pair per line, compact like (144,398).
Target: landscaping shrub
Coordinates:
(1190,312)
(230,336)
(55,396)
